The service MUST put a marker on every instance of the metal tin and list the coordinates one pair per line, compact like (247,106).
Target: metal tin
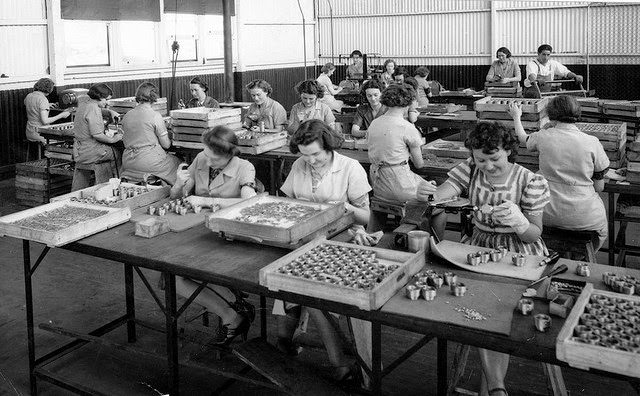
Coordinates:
(583,270)
(450,278)
(618,284)
(473,259)
(436,281)
(459,289)
(484,257)
(542,322)
(525,306)
(197,209)
(151,210)
(162,211)
(495,255)
(518,259)
(428,293)
(627,288)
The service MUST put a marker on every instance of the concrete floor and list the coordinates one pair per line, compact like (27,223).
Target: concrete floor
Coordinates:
(80,292)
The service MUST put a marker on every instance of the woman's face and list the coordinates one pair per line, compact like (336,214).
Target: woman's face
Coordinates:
(314,155)
(356,59)
(258,95)
(502,57)
(390,67)
(216,161)
(495,164)
(308,100)
(103,101)
(330,72)
(197,91)
(373,96)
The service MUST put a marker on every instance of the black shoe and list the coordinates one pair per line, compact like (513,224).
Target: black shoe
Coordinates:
(226,334)
(244,307)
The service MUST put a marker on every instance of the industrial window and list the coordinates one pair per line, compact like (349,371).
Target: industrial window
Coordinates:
(86,43)
(137,43)
(214,37)
(184,29)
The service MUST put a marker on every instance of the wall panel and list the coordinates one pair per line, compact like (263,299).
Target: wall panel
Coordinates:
(23,53)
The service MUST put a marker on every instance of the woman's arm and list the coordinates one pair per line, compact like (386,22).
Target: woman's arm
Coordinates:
(357,132)
(515,110)
(598,185)
(413,112)
(491,75)
(164,141)
(416,156)
(46,120)
(534,231)
(102,138)
(360,209)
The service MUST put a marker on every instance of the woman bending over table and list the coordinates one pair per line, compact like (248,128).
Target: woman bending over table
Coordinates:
(218,177)
(574,164)
(146,139)
(511,200)
(264,109)
(321,174)
(309,107)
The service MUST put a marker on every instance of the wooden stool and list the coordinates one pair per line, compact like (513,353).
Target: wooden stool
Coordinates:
(575,245)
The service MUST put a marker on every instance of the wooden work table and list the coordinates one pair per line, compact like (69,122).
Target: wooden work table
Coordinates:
(201,255)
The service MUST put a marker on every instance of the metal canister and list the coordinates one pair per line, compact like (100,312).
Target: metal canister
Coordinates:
(459,289)
(542,322)
(583,270)
(495,255)
(525,306)
(450,278)
(473,259)
(151,210)
(518,259)
(436,281)
(484,257)
(628,288)
(428,293)
(162,211)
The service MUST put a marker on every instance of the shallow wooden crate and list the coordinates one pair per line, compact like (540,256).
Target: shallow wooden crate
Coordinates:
(409,264)
(130,102)
(502,104)
(588,356)
(155,194)
(223,221)
(604,132)
(69,234)
(63,129)
(204,113)
(440,108)
(446,149)
(245,137)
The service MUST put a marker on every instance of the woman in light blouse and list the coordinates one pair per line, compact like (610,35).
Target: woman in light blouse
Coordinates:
(505,69)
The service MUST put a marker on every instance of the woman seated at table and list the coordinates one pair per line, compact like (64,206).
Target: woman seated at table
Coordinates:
(511,201)
(505,69)
(399,75)
(369,109)
(574,164)
(264,110)
(321,174)
(355,71)
(389,69)
(218,177)
(424,89)
(146,139)
(199,90)
(91,146)
(310,107)
(329,90)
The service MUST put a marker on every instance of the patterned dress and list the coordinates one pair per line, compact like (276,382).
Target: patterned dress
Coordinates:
(528,190)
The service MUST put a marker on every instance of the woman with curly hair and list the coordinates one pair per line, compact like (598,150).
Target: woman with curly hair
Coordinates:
(309,107)
(392,142)
(389,70)
(264,110)
(511,199)
(369,108)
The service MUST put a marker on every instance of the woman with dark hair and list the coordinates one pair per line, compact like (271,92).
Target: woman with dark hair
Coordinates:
(264,110)
(511,199)
(541,71)
(389,70)
(355,71)
(218,177)
(399,75)
(424,89)
(574,163)
(38,107)
(329,90)
(199,90)
(310,107)
(369,108)
(146,139)
(90,143)
(505,69)
(321,174)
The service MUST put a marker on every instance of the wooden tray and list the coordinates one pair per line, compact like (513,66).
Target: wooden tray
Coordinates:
(155,193)
(445,148)
(263,148)
(230,122)
(223,221)
(587,356)
(624,105)
(204,113)
(264,138)
(501,115)
(502,104)
(440,108)
(528,125)
(410,264)
(63,129)
(69,234)
(206,124)
(130,102)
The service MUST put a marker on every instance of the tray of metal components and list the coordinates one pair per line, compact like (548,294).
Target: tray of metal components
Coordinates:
(602,332)
(255,138)
(492,104)
(625,284)
(351,274)
(117,194)
(62,129)
(564,286)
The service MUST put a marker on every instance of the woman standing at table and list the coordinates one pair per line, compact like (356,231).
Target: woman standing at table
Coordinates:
(389,69)
(321,174)
(264,110)
(218,177)
(511,200)
(199,90)
(146,139)
(505,69)
(369,109)
(310,107)
(91,146)
(38,107)
(329,90)
(574,163)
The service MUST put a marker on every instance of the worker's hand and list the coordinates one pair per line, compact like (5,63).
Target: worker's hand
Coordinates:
(360,236)
(182,175)
(515,110)
(195,200)
(65,114)
(117,137)
(579,79)
(509,214)
(425,189)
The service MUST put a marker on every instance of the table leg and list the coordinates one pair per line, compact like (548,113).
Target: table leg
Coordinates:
(612,229)
(263,317)
(274,178)
(28,295)
(376,358)
(172,332)
(442,367)
(130,303)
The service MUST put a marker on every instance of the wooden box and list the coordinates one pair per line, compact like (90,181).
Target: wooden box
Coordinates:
(440,108)
(226,222)
(502,104)
(63,129)
(446,149)
(408,265)
(593,356)
(64,234)
(130,102)
(604,132)
(154,194)
(204,113)
(251,138)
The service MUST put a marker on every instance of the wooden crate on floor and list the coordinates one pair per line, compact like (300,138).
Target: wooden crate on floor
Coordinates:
(34,187)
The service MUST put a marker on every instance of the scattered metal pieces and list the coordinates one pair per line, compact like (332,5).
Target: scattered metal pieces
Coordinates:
(470,313)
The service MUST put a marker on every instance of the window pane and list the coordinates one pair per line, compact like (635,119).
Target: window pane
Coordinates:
(214,40)
(86,43)
(186,27)
(137,42)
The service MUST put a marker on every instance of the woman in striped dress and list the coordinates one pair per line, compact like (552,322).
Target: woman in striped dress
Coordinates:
(511,199)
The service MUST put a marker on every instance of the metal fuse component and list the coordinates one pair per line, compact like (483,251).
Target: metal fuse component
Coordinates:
(542,322)
(428,293)
(459,289)
(525,306)
(518,259)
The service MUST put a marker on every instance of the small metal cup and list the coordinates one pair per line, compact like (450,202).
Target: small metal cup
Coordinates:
(525,306)
(484,257)
(151,210)
(436,281)
(542,322)
(495,255)
(413,292)
(428,293)
(518,260)
(450,278)
(459,289)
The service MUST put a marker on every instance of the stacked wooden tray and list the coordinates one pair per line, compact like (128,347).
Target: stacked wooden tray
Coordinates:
(58,223)
(33,185)
(441,108)
(123,105)
(188,125)
(496,109)
(585,344)
(253,142)
(277,221)
(367,290)
(446,149)
(504,90)
(103,194)
(624,108)
(590,107)
(63,130)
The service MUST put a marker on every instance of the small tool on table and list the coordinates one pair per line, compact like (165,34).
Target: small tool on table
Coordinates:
(560,270)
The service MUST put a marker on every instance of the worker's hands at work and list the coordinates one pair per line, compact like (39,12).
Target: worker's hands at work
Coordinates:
(509,214)
(515,110)
(65,114)
(425,189)
(195,200)
(360,236)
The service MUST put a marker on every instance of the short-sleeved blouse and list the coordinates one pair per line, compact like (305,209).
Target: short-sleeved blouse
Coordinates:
(142,127)
(364,115)
(326,83)
(228,183)
(345,182)
(270,112)
(509,69)
(390,139)
(88,123)
(300,113)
